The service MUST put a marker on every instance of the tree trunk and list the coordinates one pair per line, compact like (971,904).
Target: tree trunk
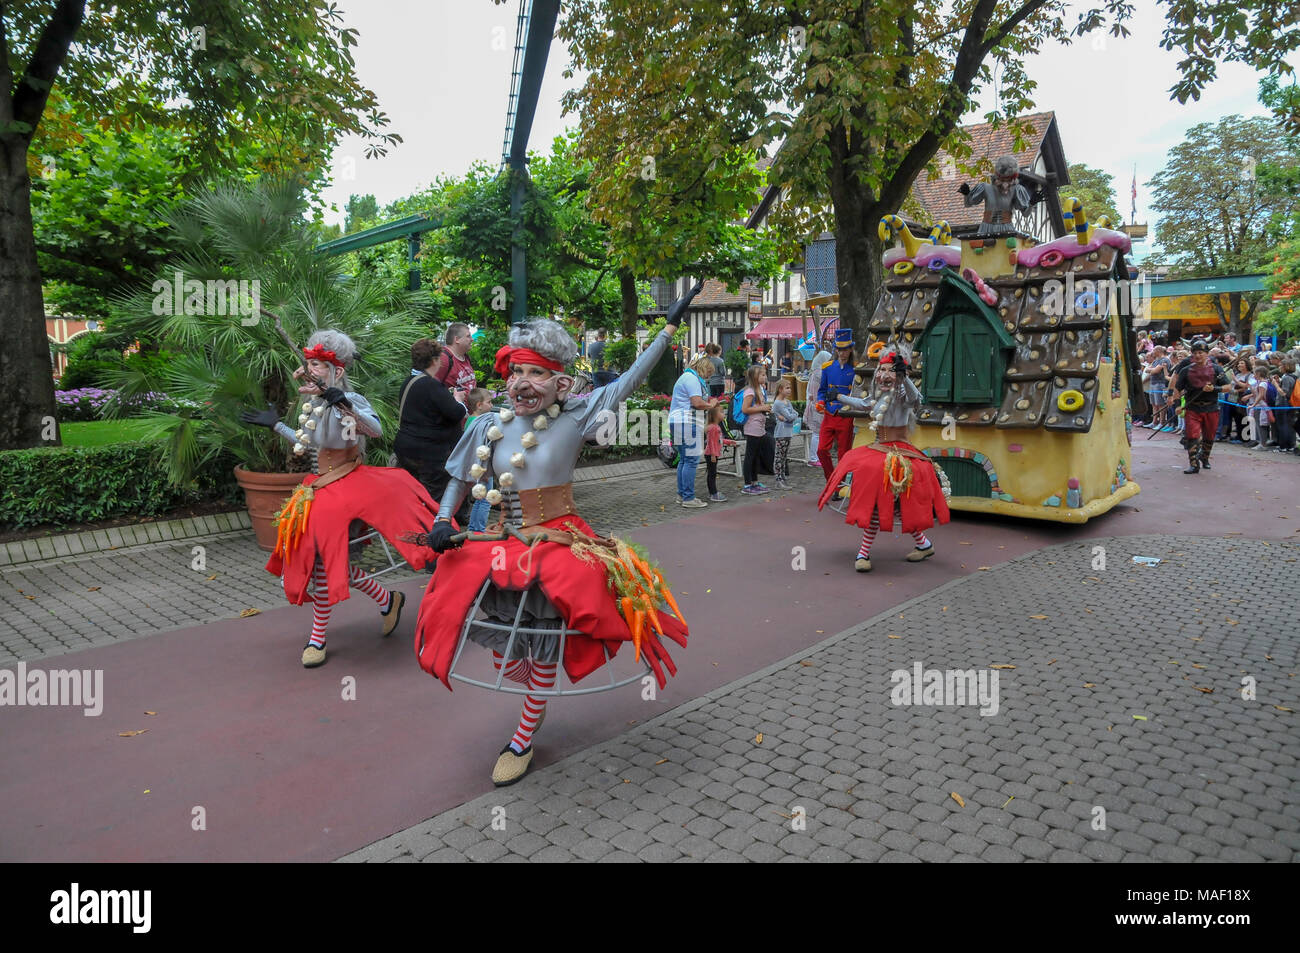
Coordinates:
(631,302)
(25,358)
(857,259)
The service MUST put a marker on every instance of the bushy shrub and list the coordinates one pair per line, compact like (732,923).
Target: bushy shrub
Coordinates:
(69,485)
(99,403)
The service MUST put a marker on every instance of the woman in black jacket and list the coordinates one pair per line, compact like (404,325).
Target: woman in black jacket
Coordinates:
(431,420)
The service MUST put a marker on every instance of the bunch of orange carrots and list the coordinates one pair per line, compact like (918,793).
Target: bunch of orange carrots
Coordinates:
(292,521)
(648,590)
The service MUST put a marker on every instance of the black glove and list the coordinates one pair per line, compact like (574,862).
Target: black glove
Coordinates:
(260,418)
(334,397)
(681,304)
(440,537)
(964,188)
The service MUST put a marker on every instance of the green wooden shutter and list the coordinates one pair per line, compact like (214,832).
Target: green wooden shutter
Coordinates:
(937,379)
(974,362)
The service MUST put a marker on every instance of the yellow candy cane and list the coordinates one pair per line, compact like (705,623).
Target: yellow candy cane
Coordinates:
(893,228)
(941,234)
(1077,219)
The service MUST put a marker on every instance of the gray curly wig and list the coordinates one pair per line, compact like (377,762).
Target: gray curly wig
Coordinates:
(547,338)
(338,342)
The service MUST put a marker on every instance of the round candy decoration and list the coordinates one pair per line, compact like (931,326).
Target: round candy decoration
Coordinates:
(1069,401)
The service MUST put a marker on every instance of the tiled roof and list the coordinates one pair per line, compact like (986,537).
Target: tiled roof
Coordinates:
(715,295)
(940,198)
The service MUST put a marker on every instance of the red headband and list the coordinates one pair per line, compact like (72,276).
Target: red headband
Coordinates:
(318,353)
(521,355)
(892,357)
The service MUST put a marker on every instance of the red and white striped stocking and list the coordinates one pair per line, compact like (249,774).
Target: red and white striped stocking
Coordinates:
(543,677)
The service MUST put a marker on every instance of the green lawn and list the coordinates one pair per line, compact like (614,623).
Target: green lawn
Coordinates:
(101,433)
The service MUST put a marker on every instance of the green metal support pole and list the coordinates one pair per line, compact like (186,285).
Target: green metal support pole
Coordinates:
(412,267)
(518,264)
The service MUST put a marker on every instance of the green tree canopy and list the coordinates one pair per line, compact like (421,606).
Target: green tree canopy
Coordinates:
(1093,188)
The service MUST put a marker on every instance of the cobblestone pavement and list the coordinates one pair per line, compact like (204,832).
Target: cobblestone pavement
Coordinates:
(1121,733)
(68,604)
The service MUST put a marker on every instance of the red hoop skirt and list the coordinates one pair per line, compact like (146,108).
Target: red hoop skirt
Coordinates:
(578,590)
(385,498)
(870,493)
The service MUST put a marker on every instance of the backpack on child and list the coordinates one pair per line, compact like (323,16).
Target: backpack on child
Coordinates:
(737,404)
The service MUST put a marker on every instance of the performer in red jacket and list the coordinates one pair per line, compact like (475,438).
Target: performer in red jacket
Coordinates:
(891,478)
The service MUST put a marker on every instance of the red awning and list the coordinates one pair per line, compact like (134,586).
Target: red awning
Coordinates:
(789,327)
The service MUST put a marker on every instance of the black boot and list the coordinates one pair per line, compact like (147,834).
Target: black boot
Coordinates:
(1193,456)
(1206,447)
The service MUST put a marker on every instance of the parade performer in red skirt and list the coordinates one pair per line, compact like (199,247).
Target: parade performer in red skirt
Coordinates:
(336,503)
(891,478)
(551,572)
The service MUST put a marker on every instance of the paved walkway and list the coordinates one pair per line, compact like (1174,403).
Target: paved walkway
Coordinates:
(1111,741)
(64,604)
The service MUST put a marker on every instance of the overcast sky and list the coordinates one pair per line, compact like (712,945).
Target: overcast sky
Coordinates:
(441,70)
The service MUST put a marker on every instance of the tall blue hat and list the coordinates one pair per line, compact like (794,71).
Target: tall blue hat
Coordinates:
(844,337)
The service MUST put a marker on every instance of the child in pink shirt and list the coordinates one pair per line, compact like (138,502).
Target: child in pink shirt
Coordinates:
(713,450)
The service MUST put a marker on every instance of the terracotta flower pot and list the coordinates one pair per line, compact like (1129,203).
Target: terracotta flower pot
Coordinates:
(265,494)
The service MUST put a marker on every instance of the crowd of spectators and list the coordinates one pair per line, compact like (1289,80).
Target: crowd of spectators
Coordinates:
(1258,411)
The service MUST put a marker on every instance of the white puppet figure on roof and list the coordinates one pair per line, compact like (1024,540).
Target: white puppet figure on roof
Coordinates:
(342,497)
(541,588)
(890,478)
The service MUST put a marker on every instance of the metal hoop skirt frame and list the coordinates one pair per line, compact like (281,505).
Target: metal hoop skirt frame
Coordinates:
(515,630)
(840,504)
(394,562)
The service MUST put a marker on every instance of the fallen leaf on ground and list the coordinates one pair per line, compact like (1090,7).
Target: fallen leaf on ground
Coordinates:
(151,713)
(964,543)
(806,664)
(891,636)
(1052,662)
(1089,684)
(945,608)
(1202,688)
(1038,617)
(91,589)
(1232,621)
(213,576)
(662,761)
(1002,666)
(758,739)
(958,798)
(820,631)
(1281,708)
(131,734)
(1013,797)
(247,612)
(1194,665)
(1140,717)
(983,569)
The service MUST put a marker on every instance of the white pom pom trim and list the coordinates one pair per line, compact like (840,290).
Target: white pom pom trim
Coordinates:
(479,491)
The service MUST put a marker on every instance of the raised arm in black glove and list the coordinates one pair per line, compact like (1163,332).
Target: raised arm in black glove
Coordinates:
(679,306)
(260,418)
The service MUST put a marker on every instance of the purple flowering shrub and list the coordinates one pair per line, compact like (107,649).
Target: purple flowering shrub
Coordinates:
(94,403)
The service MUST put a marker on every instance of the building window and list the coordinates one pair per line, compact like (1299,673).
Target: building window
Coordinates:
(819,268)
(662,292)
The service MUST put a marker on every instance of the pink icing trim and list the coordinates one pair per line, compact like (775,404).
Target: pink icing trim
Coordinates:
(1069,246)
(927,253)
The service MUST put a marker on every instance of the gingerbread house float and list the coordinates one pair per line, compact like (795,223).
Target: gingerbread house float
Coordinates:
(1026,357)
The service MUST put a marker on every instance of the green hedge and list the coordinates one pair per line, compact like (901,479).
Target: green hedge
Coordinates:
(67,485)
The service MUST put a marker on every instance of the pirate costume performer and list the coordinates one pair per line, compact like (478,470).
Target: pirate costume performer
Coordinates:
(891,478)
(1201,382)
(551,572)
(317,523)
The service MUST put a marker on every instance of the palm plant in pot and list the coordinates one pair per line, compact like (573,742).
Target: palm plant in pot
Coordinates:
(246,249)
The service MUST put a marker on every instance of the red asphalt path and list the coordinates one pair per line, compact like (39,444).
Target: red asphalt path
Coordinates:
(286,770)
